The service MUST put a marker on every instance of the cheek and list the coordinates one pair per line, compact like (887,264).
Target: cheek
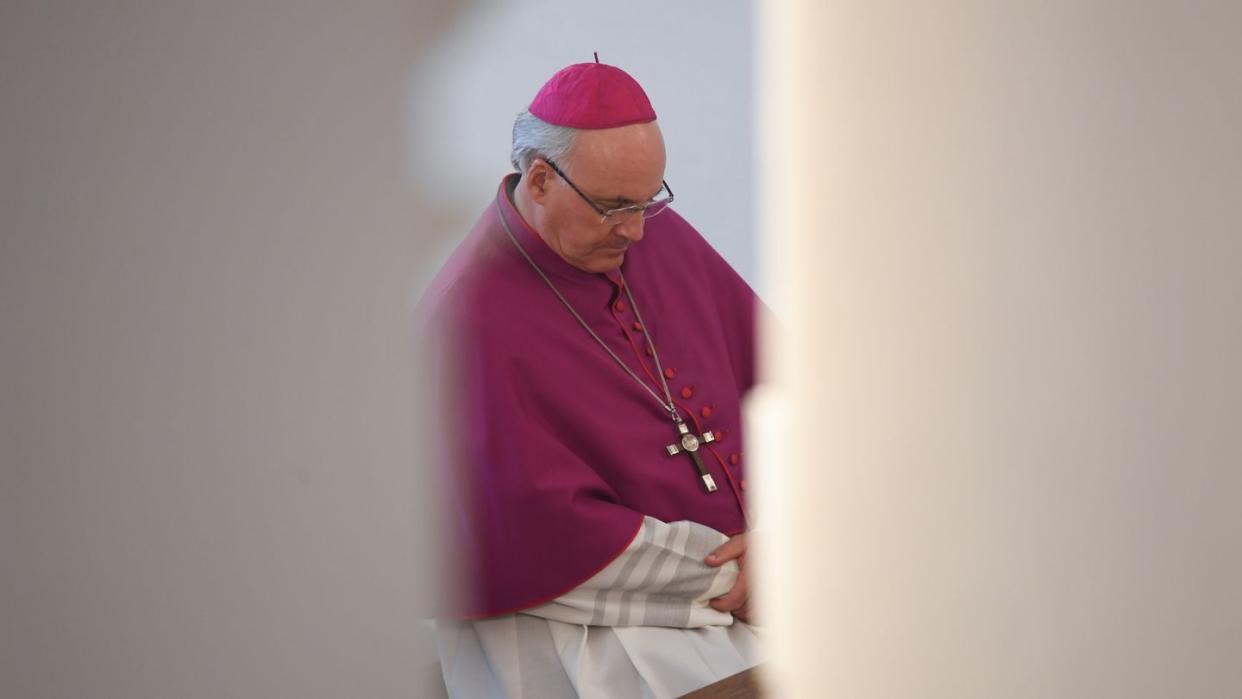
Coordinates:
(584,234)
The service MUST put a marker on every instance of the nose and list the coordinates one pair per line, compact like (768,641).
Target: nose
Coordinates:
(631,229)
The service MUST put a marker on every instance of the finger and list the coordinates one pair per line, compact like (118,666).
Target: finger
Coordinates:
(743,612)
(735,597)
(732,602)
(729,550)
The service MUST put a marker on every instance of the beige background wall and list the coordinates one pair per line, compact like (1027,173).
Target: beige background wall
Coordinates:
(1009,244)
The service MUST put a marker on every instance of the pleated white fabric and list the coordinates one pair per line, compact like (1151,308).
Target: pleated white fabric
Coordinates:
(639,628)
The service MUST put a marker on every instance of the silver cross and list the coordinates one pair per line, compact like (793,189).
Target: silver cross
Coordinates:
(689,443)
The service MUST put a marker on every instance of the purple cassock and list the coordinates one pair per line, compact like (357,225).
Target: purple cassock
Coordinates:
(556,453)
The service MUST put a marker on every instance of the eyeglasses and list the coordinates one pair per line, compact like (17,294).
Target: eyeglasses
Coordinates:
(652,208)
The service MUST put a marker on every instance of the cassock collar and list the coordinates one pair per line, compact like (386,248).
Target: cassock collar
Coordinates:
(548,260)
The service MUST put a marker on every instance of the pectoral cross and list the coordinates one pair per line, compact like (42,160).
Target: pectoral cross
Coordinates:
(689,443)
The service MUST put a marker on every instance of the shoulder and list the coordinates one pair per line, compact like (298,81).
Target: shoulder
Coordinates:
(674,243)
(671,235)
(671,231)
(476,291)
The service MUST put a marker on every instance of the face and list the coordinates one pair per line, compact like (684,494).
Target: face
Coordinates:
(615,168)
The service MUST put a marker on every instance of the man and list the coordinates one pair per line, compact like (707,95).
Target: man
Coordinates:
(592,353)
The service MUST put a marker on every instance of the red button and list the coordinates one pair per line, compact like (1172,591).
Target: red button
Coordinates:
(720,435)
(687,392)
(669,372)
(707,411)
(638,326)
(619,306)
(734,459)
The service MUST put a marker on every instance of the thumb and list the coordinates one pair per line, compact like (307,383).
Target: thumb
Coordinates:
(729,550)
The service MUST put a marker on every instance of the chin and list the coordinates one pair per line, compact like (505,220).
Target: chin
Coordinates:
(598,263)
(609,265)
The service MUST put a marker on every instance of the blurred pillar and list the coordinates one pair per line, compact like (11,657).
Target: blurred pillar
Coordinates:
(1001,455)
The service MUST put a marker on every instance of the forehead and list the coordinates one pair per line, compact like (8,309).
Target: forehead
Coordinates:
(622,163)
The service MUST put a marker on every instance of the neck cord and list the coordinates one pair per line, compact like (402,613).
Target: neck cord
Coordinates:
(667,402)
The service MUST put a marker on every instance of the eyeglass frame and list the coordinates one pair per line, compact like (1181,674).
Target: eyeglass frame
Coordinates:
(620,211)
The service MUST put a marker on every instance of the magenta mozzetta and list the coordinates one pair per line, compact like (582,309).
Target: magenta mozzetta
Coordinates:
(557,451)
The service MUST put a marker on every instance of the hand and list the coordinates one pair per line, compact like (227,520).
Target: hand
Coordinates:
(736,600)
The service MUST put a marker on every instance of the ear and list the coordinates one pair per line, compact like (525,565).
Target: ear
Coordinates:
(537,180)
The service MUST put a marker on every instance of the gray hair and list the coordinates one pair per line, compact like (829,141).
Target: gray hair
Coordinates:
(535,138)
